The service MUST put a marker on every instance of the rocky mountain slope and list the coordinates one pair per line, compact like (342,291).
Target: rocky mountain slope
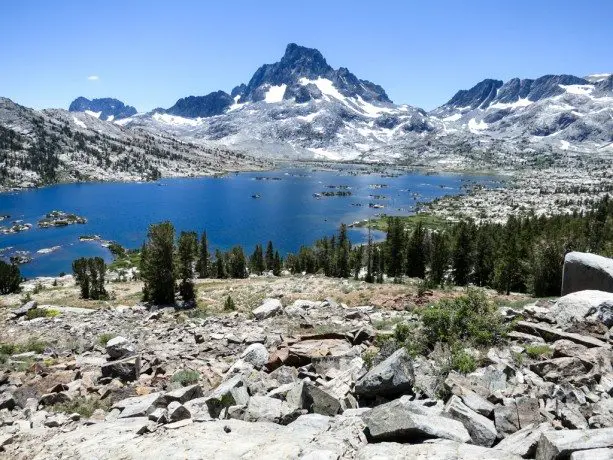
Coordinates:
(301,375)
(51,146)
(301,107)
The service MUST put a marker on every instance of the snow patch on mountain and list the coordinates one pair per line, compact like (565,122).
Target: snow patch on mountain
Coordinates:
(275,94)
(79,123)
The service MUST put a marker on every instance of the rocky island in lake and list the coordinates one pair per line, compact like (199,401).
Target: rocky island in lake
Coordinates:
(60,219)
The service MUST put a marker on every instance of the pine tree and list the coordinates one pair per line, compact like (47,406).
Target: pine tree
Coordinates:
(159,269)
(484,258)
(187,249)
(369,257)
(237,263)
(81,276)
(276,267)
(344,247)
(256,261)
(204,264)
(220,265)
(462,255)
(269,259)
(416,253)
(357,255)
(10,277)
(229,304)
(394,245)
(439,257)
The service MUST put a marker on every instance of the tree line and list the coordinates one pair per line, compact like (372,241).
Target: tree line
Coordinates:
(521,255)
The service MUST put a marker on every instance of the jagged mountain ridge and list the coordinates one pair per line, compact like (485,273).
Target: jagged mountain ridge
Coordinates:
(54,145)
(301,107)
(105,108)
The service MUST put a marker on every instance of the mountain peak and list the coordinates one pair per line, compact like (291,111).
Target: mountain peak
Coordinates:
(304,61)
(106,108)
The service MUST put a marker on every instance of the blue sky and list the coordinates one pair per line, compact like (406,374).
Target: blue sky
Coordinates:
(150,53)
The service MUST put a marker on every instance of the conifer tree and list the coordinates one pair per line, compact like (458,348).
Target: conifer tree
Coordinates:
(237,263)
(394,245)
(158,265)
(439,257)
(484,258)
(220,265)
(276,267)
(344,247)
(269,258)
(204,264)
(187,249)
(10,277)
(416,253)
(462,254)
(256,262)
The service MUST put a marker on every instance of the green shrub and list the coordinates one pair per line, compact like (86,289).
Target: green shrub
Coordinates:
(186,377)
(104,338)
(83,406)
(42,313)
(463,362)
(469,318)
(35,345)
(229,304)
(538,351)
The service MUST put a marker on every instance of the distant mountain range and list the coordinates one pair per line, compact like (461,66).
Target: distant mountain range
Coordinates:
(302,108)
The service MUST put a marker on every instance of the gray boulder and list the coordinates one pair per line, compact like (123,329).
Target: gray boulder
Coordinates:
(24,309)
(263,409)
(481,429)
(269,307)
(256,354)
(232,392)
(127,369)
(586,271)
(320,401)
(392,377)
(119,347)
(561,444)
(441,450)
(580,306)
(524,441)
(176,412)
(184,394)
(592,454)
(139,406)
(397,421)
(7,401)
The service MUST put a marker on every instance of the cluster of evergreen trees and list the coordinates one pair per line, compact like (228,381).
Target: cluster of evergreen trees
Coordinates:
(89,274)
(168,267)
(522,255)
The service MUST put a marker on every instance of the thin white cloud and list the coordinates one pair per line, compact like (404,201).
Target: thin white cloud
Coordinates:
(93,78)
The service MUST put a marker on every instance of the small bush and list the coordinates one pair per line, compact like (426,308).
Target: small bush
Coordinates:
(83,406)
(42,313)
(35,345)
(538,351)
(463,362)
(469,318)
(104,338)
(186,377)
(229,304)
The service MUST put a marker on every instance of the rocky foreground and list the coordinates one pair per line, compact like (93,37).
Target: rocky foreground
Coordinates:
(304,379)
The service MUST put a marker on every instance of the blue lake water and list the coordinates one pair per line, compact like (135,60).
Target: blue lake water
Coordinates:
(286,212)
